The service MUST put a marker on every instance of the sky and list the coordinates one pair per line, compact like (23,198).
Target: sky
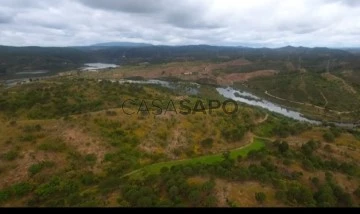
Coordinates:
(254,23)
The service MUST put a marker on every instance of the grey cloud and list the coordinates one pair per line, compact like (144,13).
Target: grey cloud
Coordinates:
(183,14)
(19,4)
(215,22)
(5,19)
(299,28)
(188,20)
(131,6)
(350,2)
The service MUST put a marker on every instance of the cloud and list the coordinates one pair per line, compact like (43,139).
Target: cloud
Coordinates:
(183,14)
(5,19)
(217,22)
(131,6)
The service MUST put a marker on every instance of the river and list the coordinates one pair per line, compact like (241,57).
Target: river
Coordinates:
(242,97)
(97,66)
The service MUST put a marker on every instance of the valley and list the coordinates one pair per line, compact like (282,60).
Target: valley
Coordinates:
(66,140)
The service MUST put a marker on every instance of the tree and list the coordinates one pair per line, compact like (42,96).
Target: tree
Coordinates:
(173,191)
(306,149)
(325,196)
(194,197)
(144,202)
(283,147)
(260,197)
(315,181)
(300,194)
(357,192)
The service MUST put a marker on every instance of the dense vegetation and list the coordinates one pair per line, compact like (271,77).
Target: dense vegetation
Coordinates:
(67,142)
(26,59)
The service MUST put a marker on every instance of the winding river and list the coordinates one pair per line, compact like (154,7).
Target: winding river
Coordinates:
(192,88)
(240,96)
(250,99)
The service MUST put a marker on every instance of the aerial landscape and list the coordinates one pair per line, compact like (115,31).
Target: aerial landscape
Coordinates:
(201,103)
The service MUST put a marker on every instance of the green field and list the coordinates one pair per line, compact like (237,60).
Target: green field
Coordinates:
(207,159)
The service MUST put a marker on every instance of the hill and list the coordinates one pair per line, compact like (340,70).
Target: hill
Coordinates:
(121,44)
(54,59)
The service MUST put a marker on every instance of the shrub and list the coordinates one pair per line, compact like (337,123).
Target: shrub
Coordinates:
(328,137)
(27,138)
(9,156)
(32,128)
(4,195)
(207,143)
(36,168)
(91,158)
(260,197)
(21,189)
(283,147)
(357,192)
(56,146)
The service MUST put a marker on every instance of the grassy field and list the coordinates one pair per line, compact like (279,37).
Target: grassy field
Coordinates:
(207,159)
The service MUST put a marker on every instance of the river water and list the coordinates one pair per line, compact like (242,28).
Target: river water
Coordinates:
(191,88)
(250,99)
(240,96)
(97,66)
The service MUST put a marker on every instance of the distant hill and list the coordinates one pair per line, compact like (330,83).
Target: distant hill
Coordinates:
(121,44)
(32,59)
(352,50)
(15,60)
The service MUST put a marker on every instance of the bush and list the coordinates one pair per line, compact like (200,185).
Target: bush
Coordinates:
(36,168)
(328,137)
(260,197)
(207,143)
(56,146)
(4,195)
(283,147)
(32,128)
(234,134)
(10,156)
(300,194)
(91,158)
(21,189)
(27,138)
(357,192)
(88,178)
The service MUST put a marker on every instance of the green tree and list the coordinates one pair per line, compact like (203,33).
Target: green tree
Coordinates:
(283,147)
(325,196)
(300,194)
(173,191)
(195,197)
(144,201)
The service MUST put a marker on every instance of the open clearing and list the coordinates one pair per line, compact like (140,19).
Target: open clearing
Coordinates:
(207,159)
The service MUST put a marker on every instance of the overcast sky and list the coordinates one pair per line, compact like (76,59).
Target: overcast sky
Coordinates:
(271,23)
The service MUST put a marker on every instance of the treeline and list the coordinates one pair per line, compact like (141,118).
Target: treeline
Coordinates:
(16,59)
